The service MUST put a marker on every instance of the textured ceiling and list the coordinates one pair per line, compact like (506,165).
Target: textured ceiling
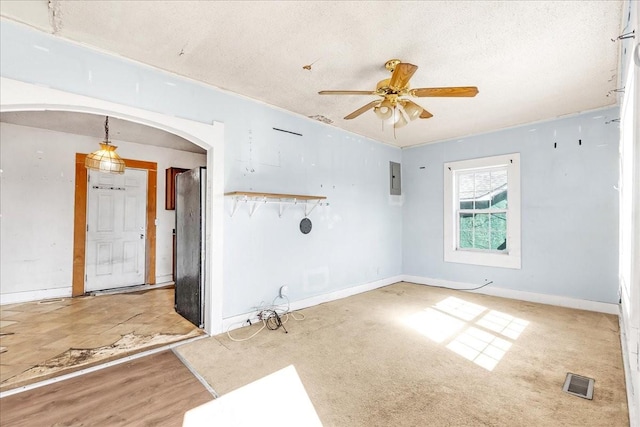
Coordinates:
(531,60)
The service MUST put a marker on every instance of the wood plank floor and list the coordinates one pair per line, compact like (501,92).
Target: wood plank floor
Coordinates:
(154,390)
(42,339)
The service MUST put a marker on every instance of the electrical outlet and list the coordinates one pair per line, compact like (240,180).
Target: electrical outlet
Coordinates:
(284,291)
(264,314)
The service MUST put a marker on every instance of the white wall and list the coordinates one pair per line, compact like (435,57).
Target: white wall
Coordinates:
(358,238)
(630,208)
(37,189)
(358,243)
(569,208)
(355,240)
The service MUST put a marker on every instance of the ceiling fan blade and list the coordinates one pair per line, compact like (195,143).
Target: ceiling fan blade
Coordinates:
(347,92)
(425,114)
(461,91)
(362,110)
(401,75)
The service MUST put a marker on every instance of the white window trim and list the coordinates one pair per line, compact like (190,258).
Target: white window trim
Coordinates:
(511,258)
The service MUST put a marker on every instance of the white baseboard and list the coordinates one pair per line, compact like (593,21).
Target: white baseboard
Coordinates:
(240,320)
(17,297)
(632,376)
(601,307)
(165,278)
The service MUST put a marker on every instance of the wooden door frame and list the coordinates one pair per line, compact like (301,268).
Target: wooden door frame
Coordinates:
(80,222)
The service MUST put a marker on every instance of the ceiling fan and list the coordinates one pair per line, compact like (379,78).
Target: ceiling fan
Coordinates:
(394,108)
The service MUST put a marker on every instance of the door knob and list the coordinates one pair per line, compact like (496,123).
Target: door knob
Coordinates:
(142,236)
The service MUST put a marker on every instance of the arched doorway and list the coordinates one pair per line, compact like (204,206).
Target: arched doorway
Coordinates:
(20,96)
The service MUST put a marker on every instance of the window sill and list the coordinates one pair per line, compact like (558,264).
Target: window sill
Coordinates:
(489,259)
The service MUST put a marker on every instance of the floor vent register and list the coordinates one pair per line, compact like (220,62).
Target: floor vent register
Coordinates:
(579,386)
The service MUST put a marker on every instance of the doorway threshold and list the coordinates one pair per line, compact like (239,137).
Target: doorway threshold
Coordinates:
(130,289)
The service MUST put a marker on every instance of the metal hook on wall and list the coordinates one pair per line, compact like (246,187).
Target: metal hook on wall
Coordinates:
(621,90)
(629,35)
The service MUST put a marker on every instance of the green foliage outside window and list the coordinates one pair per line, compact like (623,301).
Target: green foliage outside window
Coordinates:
(484,230)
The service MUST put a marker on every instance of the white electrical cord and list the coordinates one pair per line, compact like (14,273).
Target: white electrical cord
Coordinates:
(263,311)
(264,325)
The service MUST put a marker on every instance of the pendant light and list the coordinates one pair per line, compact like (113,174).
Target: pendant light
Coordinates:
(105,159)
(412,109)
(397,112)
(400,117)
(384,110)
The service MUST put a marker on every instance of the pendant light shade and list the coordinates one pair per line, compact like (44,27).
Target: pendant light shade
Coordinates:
(384,110)
(105,159)
(412,109)
(400,119)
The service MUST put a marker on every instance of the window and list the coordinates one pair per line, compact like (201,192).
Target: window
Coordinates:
(482,211)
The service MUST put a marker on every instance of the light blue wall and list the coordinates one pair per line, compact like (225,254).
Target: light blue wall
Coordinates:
(569,207)
(356,239)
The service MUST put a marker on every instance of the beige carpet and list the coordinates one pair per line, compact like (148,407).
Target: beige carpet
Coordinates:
(414,355)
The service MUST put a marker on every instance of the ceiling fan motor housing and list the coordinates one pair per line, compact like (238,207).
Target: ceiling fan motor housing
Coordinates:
(391,64)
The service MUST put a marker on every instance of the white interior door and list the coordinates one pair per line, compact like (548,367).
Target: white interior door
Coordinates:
(116,226)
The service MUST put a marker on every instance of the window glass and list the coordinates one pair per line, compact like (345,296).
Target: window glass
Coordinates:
(482,196)
(466,231)
(499,231)
(482,211)
(466,190)
(499,189)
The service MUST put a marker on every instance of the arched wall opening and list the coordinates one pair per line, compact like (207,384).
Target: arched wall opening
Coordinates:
(20,96)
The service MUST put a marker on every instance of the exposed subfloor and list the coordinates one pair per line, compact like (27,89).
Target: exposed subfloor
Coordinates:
(40,340)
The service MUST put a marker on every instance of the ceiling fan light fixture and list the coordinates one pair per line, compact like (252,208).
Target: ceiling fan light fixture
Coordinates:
(412,109)
(394,109)
(400,119)
(384,110)
(105,159)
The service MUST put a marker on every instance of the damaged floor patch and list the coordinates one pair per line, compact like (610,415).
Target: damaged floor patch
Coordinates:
(78,358)
(42,339)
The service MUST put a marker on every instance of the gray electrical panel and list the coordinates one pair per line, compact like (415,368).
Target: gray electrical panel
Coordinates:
(395,181)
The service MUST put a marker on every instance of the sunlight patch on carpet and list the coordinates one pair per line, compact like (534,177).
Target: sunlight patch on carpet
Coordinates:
(480,347)
(485,337)
(460,308)
(434,325)
(504,324)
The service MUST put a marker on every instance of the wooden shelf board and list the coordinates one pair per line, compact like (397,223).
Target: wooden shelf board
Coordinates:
(274,195)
